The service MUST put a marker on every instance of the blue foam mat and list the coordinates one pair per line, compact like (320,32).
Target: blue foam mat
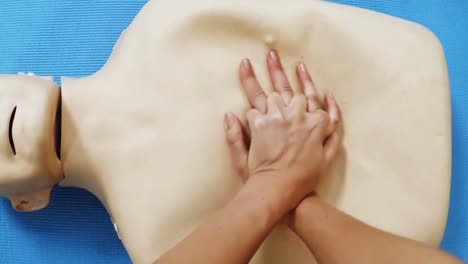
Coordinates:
(75,38)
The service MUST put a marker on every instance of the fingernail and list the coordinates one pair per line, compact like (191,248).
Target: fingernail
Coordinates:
(246,63)
(228,120)
(273,55)
(303,68)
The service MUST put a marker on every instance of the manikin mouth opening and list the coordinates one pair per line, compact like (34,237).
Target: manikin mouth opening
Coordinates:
(10,131)
(58,127)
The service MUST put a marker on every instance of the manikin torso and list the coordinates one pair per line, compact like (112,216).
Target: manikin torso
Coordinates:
(145,135)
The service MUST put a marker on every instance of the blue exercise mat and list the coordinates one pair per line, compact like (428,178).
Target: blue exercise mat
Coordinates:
(75,38)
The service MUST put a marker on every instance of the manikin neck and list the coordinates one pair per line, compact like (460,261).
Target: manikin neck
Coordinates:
(76,111)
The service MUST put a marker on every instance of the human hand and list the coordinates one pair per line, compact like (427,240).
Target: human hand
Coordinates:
(293,140)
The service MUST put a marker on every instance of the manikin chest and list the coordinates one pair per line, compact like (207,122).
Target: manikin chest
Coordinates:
(145,133)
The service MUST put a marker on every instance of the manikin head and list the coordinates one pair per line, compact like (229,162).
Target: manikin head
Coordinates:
(29,124)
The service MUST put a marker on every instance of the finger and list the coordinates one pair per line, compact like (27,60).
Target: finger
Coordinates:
(298,104)
(278,77)
(252,88)
(236,143)
(321,120)
(330,148)
(308,87)
(253,115)
(275,103)
(333,112)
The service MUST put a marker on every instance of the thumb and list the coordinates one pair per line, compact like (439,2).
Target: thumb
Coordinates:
(236,143)
(334,111)
(330,148)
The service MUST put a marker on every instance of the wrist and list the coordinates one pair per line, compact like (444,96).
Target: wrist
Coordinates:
(265,193)
(310,206)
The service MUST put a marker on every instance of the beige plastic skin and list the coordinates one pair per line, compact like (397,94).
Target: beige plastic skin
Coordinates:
(145,133)
(29,163)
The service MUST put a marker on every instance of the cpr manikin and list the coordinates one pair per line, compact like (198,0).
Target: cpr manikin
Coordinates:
(145,133)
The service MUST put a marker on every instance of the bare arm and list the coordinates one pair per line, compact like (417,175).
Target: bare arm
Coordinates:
(334,237)
(233,234)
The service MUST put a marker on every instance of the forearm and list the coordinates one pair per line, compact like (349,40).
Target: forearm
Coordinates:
(334,237)
(233,234)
